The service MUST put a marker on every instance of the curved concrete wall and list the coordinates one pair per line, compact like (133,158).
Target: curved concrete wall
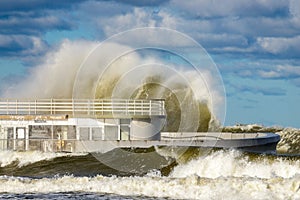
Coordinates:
(146,129)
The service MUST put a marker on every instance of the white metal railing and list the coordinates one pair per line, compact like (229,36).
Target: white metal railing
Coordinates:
(79,107)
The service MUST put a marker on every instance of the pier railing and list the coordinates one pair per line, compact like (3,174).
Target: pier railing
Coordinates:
(83,107)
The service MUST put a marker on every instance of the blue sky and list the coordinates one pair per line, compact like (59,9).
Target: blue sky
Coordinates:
(254,43)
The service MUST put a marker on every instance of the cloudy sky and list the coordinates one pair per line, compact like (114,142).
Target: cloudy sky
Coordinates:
(254,43)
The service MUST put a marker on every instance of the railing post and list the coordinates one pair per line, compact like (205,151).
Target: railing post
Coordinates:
(163,107)
(16,107)
(7,107)
(102,106)
(126,107)
(142,107)
(133,107)
(150,108)
(93,107)
(89,105)
(73,107)
(51,105)
(29,105)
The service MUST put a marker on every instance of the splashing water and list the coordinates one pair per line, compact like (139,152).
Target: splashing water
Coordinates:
(184,99)
(221,174)
(233,163)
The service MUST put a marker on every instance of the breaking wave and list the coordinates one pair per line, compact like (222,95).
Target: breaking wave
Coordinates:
(192,187)
(233,163)
(221,174)
(139,74)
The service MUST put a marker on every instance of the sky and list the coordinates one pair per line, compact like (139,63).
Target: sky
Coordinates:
(254,43)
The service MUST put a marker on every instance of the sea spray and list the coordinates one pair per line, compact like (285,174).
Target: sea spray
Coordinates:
(290,141)
(191,187)
(56,76)
(183,101)
(233,163)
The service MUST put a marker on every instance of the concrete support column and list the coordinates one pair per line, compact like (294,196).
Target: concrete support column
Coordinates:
(146,129)
(26,138)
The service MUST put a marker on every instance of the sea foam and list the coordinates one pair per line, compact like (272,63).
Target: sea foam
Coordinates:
(233,163)
(191,187)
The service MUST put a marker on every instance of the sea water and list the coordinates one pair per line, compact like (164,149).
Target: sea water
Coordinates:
(217,174)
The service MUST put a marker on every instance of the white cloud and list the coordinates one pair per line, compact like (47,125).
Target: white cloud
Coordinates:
(268,91)
(21,45)
(203,8)
(221,40)
(269,74)
(33,25)
(281,71)
(230,27)
(136,19)
(295,13)
(277,45)
(295,8)
(90,10)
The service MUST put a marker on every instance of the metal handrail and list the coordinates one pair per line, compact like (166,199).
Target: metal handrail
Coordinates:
(81,107)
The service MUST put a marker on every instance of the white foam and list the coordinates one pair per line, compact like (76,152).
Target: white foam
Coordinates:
(192,187)
(233,164)
(25,158)
(290,141)
(220,175)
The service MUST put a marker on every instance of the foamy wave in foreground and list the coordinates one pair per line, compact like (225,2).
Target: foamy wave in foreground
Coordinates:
(236,164)
(224,174)
(25,158)
(191,187)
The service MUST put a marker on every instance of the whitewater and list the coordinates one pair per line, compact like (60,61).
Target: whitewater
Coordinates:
(222,174)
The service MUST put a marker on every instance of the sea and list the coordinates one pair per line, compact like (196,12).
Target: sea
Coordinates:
(197,174)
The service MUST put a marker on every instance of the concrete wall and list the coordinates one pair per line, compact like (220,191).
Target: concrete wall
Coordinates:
(146,129)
